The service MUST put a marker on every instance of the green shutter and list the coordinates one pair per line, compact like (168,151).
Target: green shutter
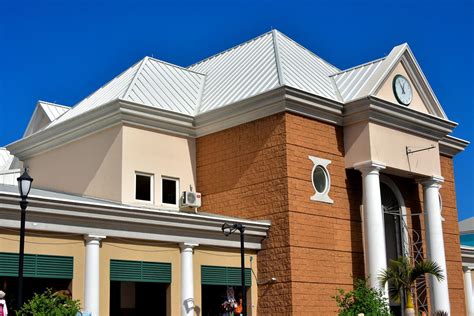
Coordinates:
(140,271)
(37,266)
(214,275)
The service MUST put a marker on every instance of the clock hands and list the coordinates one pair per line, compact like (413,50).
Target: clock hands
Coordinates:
(403,87)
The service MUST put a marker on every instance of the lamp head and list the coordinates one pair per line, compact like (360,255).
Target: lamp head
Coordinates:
(227,229)
(24,184)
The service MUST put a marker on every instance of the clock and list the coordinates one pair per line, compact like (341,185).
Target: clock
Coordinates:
(402,90)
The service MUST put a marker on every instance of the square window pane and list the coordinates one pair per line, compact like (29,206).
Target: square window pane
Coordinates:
(143,188)
(168,191)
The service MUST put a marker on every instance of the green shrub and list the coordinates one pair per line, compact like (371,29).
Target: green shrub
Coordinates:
(49,304)
(362,299)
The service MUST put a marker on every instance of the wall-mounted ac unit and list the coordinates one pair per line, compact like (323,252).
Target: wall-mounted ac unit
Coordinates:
(191,199)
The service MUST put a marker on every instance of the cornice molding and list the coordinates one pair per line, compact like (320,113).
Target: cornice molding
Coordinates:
(46,214)
(373,109)
(451,146)
(283,99)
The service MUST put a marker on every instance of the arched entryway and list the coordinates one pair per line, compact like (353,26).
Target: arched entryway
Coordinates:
(394,210)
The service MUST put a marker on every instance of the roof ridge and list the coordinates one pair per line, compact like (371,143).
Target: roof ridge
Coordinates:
(229,49)
(134,79)
(52,103)
(174,65)
(279,69)
(358,66)
(200,96)
(308,50)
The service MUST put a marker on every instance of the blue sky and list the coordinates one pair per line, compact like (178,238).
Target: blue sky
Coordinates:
(60,51)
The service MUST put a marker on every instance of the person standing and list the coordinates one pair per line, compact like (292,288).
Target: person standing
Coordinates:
(3,305)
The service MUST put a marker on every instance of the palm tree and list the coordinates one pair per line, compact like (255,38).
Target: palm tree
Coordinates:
(402,274)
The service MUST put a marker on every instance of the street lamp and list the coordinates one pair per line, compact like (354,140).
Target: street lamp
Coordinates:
(228,229)
(24,186)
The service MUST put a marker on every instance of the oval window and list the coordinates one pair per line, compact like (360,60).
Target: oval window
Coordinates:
(320,179)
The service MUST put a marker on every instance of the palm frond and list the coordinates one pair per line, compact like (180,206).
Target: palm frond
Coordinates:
(427,267)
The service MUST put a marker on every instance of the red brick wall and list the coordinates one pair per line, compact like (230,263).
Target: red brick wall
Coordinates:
(242,172)
(326,239)
(451,238)
(261,170)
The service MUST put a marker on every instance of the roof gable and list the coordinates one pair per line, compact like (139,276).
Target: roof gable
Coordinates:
(367,79)
(44,114)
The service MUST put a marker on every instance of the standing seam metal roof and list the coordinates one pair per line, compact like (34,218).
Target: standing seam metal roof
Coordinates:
(261,64)
(352,81)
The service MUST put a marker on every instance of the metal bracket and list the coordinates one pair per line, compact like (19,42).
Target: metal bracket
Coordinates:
(412,151)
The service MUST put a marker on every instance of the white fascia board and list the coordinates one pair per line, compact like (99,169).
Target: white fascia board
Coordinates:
(100,118)
(451,146)
(127,222)
(389,114)
(282,99)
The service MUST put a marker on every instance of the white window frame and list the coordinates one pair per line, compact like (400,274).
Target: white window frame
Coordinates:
(324,196)
(152,187)
(168,205)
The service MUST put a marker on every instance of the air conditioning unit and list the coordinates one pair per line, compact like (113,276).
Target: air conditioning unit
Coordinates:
(191,199)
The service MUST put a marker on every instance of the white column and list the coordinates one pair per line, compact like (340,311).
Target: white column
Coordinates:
(91,279)
(374,229)
(435,243)
(187,279)
(468,292)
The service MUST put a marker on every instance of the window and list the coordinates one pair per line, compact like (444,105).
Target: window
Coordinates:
(169,191)
(143,187)
(321,180)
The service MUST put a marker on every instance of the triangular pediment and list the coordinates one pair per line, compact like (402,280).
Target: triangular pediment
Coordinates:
(404,63)
(376,79)
(401,61)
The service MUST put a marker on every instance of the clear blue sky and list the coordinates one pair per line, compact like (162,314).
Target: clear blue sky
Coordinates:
(61,51)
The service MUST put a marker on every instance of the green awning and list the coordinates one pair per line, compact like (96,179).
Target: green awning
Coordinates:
(140,271)
(37,266)
(216,275)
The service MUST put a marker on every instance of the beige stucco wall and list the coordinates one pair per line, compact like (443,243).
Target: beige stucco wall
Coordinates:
(113,248)
(356,143)
(153,252)
(370,141)
(90,166)
(157,154)
(388,145)
(104,164)
(59,246)
(386,90)
(229,258)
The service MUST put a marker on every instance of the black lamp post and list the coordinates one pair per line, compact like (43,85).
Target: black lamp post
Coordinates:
(228,229)
(24,186)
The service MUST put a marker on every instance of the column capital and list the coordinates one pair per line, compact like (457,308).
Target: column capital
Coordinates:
(467,268)
(186,246)
(89,238)
(369,166)
(433,181)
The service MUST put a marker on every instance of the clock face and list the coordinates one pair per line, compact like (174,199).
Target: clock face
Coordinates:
(402,90)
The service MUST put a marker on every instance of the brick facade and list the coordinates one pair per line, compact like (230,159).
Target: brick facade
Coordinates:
(261,170)
(451,238)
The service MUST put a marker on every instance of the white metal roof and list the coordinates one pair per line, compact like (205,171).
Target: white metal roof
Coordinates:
(261,64)
(6,159)
(467,226)
(150,82)
(238,73)
(352,81)
(53,110)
